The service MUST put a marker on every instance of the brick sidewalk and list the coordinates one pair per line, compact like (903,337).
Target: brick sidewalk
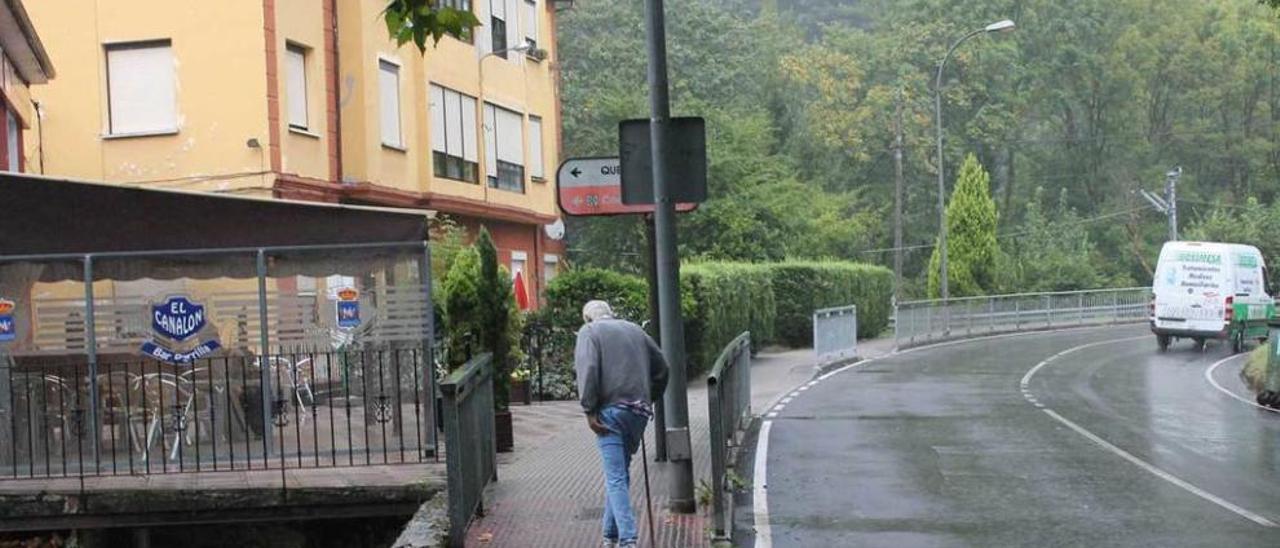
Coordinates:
(550,492)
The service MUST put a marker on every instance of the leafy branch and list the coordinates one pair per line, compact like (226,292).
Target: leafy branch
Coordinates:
(417,20)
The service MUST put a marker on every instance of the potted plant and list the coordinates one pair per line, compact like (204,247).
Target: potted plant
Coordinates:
(520,389)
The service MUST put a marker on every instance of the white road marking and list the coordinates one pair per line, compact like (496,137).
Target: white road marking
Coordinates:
(787,399)
(1153,469)
(764,535)
(803,388)
(1161,473)
(1208,375)
(780,407)
(760,493)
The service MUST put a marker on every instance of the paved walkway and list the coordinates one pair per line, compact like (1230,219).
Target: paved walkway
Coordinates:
(550,491)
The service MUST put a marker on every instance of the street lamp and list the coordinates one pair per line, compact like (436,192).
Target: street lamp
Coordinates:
(526,48)
(1004,25)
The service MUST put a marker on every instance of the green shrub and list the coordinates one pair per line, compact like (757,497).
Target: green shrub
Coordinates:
(561,317)
(728,298)
(803,287)
(1255,367)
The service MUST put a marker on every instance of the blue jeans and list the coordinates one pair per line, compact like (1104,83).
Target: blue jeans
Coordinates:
(616,448)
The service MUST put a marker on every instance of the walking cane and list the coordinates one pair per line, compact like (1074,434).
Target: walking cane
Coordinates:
(644,460)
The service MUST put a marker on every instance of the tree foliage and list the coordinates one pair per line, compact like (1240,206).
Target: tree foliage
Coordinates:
(1089,100)
(971,236)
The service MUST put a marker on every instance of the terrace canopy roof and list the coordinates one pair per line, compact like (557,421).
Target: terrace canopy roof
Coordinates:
(176,233)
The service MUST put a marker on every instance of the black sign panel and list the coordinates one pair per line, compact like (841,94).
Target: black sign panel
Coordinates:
(687,147)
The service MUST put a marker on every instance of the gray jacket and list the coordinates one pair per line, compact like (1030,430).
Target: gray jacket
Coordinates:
(616,361)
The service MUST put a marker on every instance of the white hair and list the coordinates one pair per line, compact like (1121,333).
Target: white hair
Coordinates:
(596,310)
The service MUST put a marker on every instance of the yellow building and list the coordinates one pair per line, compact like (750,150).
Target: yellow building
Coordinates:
(310,99)
(23,62)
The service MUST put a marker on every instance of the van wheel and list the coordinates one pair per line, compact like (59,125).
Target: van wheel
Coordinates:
(1163,342)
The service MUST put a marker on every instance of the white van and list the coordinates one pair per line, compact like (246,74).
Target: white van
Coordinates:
(1207,290)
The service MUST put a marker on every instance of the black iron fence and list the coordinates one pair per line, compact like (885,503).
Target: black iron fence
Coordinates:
(295,408)
(729,406)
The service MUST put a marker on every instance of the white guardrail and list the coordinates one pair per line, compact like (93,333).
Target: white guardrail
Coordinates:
(835,334)
(922,322)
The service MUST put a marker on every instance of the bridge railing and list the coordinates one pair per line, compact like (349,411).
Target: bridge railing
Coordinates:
(729,404)
(470,456)
(922,322)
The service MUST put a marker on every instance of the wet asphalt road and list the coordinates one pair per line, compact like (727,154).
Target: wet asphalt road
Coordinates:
(941,447)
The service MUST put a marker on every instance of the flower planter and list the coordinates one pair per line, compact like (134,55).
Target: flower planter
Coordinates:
(521,392)
(505,435)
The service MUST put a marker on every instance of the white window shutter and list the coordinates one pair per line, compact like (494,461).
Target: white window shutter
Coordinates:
(142,95)
(510,137)
(513,24)
(389,102)
(531,21)
(437,119)
(453,122)
(490,141)
(296,86)
(469,130)
(535,147)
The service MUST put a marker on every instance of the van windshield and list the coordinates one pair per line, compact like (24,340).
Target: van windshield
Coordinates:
(1195,272)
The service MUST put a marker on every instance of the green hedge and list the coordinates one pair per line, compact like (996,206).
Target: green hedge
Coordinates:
(774,301)
(729,298)
(802,287)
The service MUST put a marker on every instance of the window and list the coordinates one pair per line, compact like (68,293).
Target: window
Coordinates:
(504,148)
(296,85)
(460,5)
(453,135)
(13,139)
(531,24)
(389,102)
(498,24)
(140,89)
(518,260)
(536,168)
(550,267)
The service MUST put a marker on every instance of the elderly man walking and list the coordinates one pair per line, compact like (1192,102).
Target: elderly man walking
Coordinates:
(621,372)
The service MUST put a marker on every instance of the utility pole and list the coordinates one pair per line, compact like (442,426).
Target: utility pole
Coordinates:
(897,197)
(1167,204)
(676,402)
(1171,198)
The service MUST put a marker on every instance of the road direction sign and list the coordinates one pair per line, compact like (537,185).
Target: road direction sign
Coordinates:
(593,186)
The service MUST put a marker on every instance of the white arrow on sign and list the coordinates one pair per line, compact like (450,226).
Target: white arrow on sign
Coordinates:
(581,172)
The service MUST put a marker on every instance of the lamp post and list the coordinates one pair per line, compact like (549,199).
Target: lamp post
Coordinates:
(526,48)
(999,26)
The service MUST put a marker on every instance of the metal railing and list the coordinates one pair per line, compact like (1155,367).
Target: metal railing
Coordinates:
(471,458)
(835,334)
(324,408)
(729,403)
(921,322)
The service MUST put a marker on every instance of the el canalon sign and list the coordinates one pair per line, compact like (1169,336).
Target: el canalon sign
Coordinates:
(8,326)
(176,323)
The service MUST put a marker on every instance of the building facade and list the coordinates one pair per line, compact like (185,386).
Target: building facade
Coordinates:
(311,100)
(23,63)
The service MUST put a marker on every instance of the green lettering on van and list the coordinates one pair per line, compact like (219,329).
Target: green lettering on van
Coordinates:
(1199,257)
(1248,261)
